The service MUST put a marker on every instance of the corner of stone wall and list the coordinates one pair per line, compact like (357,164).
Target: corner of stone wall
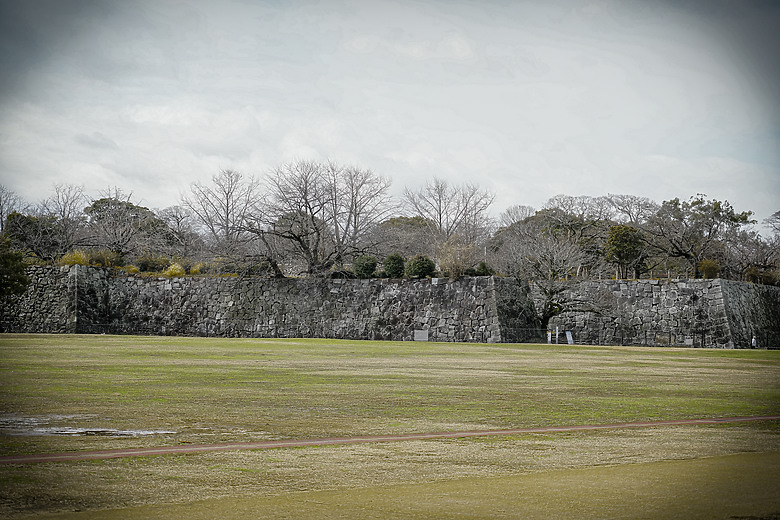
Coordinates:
(514,310)
(752,310)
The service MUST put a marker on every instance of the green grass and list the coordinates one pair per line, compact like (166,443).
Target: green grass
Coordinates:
(316,388)
(211,390)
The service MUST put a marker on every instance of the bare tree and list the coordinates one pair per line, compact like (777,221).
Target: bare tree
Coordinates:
(583,207)
(407,236)
(33,234)
(774,241)
(67,202)
(456,256)
(630,209)
(451,210)
(320,214)
(773,221)
(550,262)
(457,220)
(514,214)
(9,202)
(222,208)
(185,241)
(51,228)
(581,217)
(67,205)
(294,208)
(122,227)
(360,202)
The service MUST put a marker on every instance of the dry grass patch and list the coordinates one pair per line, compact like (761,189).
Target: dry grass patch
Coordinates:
(112,484)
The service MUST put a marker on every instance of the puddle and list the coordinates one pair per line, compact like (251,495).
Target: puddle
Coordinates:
(42,425)
(103,432)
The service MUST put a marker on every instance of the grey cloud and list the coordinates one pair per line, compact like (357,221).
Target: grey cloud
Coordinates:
(96,140)
(33,34)
(526,96)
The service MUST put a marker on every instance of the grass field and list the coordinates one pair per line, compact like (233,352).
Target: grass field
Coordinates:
(206,390)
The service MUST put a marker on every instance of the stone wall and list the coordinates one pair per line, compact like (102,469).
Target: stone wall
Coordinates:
(58,299)
(699,313)
(82,299)
(260,307)
(48,305)
(710,313)
(752,310)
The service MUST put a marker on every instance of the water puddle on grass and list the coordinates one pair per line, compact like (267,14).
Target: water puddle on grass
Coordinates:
(49,425)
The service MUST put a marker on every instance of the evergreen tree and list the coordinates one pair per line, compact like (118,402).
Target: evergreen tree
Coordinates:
(13,281)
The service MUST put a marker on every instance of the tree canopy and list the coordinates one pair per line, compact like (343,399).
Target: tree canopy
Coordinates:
(323,218)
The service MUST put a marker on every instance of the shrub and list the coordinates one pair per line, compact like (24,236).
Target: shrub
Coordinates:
(481,270)
(394,266)
(365,266)
(455,256)
(709,268)
(131,269)
(35,260)
(246,266)
(174,270)
(13,280)
(77,257)
(205,268)
(105,258)
(484,270)
(756,275)
(150,263)
(420,267)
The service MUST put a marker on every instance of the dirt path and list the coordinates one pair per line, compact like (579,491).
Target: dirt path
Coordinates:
(299,443)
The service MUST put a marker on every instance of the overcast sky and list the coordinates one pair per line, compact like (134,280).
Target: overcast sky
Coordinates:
(526,98)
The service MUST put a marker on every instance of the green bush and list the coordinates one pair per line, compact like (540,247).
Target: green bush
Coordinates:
(484,270)
(481,270)
(13,280)
(420,267)
(365,266)
(394,266)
